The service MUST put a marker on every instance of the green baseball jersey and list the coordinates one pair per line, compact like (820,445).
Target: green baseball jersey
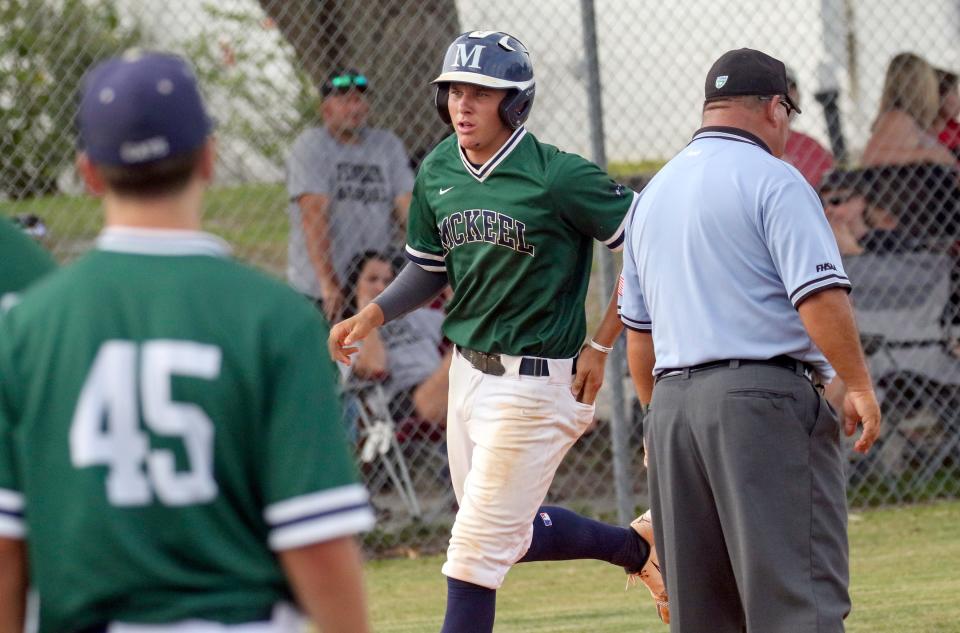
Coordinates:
(515,238)
(168,419)
(23,261)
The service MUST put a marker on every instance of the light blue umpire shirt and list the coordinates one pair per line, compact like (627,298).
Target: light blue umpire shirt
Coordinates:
(726,241)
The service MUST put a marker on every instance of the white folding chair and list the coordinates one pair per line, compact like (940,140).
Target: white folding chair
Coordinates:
(377,438)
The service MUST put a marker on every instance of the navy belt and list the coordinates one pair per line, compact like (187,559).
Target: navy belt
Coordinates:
(798,366)
(492,363)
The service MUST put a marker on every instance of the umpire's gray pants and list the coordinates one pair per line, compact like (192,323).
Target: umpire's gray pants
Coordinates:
(749,504)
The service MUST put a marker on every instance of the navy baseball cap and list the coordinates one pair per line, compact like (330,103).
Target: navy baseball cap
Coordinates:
(139,108)
(747,72)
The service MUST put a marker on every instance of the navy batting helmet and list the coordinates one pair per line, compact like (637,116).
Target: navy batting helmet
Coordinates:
(495,60)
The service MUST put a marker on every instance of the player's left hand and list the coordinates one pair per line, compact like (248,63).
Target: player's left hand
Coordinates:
(590,367)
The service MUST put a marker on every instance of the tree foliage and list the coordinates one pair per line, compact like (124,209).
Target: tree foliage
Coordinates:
(45,48)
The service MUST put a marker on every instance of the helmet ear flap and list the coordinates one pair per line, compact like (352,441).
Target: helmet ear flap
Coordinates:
(516,106)
(440,100)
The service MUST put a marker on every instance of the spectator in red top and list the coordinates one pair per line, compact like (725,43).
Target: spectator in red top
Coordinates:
(811,158)
(945,126)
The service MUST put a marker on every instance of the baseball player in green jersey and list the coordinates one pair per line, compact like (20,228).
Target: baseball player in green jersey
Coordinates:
(23,262)
(509,222)
(171,450)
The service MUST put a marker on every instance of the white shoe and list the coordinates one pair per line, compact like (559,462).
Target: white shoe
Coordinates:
(650,574)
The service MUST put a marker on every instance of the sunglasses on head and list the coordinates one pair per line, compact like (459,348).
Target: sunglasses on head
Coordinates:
(347,81)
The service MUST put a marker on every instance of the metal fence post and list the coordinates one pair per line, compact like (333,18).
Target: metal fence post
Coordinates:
(619,433)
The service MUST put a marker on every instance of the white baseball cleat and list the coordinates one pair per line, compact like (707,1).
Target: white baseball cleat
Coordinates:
(650,574)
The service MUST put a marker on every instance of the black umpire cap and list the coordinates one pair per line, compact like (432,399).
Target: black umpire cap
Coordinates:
(747,72)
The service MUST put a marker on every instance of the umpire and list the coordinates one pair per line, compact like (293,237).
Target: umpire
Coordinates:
(737,305)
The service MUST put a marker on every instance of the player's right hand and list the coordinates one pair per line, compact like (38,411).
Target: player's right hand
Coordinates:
(861,407)
(343,335)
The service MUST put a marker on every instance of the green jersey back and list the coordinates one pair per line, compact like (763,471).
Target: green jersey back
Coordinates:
(515,238)
(168,418)
(23,261)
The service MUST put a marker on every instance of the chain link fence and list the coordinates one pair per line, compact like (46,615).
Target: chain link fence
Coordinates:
(618,81)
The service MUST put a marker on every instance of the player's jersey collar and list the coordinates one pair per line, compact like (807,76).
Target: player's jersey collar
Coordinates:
(484,170)
(730,134)
(170,242)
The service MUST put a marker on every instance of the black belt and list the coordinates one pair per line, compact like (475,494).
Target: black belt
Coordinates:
(801,368)
(492,364)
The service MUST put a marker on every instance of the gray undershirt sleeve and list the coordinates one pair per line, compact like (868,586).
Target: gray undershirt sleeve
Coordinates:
(412,288)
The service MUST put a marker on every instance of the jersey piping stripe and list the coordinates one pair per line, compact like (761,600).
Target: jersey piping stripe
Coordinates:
(323,529)
(812,290)
(11,501)
(12,527)
(320,515)
(730,134)
(161,242)
(842,280)
(726,138)
(615,243)
(430,265)
(633,324)
(423,255)
(11,513)
(481,173)
(295,508)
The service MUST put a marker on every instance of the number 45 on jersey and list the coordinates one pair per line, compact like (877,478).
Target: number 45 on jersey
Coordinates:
(106,423)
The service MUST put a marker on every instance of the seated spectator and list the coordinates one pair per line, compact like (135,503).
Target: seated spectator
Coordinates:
(408,354)
(349,187)
(945,125)
(802,151)
(860,225)
(845,211)
(908,107)
(923,197)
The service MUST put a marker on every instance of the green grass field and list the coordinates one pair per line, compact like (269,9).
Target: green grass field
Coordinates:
(252,218)
(905,578)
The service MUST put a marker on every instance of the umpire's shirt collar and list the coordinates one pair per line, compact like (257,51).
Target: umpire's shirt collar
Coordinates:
(731,134)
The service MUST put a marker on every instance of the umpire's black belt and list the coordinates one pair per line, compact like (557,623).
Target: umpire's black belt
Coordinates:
(798,366)
(492,363)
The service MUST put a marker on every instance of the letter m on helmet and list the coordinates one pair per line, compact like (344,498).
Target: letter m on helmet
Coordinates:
(469,59)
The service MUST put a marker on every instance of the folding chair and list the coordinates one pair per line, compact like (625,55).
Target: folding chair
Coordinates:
(899,298)
(377,439)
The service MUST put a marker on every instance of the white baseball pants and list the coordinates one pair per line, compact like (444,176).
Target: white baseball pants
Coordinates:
(506,436)
(285,619)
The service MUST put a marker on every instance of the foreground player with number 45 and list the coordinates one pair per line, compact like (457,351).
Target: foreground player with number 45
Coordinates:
(170,438)
(509,223)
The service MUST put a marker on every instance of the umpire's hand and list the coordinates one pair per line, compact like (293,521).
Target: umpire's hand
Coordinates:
(860,407)
(344,334)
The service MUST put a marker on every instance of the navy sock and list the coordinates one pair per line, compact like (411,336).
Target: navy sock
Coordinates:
(470,608)
(559,534)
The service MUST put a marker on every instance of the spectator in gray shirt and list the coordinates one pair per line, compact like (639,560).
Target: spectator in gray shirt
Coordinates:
(349,188)
(408,354)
